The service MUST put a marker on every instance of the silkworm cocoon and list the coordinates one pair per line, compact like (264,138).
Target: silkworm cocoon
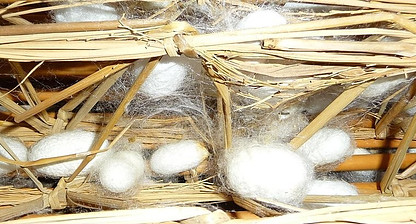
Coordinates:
(178,157)
(65,143)
(150,5)
(121,171)
(382,86)
(261,19)
(273,172)
(168,76)
(331,187)
(18,149)
(327,145)
(86,13)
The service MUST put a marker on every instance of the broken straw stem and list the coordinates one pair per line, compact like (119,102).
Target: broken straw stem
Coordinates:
(398,158)
(84,83)
(381,126)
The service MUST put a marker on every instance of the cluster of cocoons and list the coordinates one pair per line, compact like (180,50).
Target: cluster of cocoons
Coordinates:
(326,146)
(18,149)
(121,171)
(177,157)
(61,144)
(86,13)
(168,76)
(273,172)
(331,187)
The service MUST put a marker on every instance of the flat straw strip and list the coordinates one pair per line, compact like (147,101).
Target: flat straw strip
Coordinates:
(392,48)
(226,108)
(118,113)
(257,34)
(328,113)
(23,209)
(136,216)
(86,82)
(77,27)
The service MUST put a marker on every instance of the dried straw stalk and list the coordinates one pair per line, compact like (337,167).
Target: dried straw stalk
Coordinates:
(144,215)
(86,82)
(378,212)
(154,195)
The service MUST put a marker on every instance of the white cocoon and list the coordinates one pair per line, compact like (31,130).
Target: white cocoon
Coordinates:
(382,86)
(168,76)
(86,13)
(18,149)
(65,143)
(121,171)
(327,145)
(331,187)
(178,157)
(150,5)
(261,19)
(272,172)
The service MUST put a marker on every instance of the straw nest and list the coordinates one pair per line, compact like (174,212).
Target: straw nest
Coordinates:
(292,62)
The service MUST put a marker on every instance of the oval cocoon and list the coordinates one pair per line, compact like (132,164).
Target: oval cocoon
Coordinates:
(327,145)
(121,171)
(65,143)
(18,149)
(272,172)
(178,157)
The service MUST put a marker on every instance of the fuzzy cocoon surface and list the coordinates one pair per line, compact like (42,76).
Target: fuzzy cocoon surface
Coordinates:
(18,149)
(331,187)
(284,128)
(327,145)
(87,13)
(261,19)
(151,5)
(121,171)
(272,172)
(65,143)
(383,86)
(168,76)
(178,157)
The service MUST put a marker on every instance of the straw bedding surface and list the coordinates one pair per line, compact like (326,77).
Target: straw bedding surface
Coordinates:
(346,48)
